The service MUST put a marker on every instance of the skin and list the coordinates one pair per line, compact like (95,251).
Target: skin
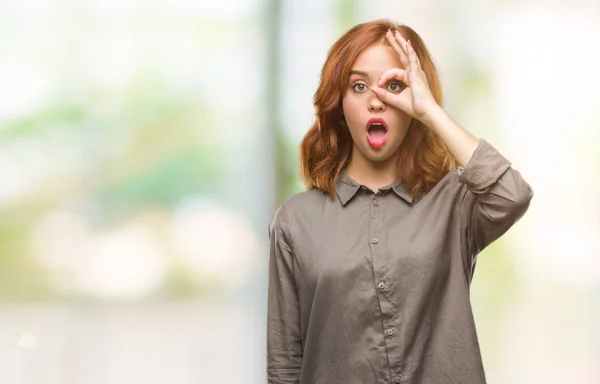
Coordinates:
(376,167)
(360,104)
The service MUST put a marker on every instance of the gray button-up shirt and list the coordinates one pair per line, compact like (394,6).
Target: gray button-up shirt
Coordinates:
(374,287)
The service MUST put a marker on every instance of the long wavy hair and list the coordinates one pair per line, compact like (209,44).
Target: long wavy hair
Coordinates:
(327,147)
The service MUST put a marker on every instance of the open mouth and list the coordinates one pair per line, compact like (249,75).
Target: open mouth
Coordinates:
(377,132)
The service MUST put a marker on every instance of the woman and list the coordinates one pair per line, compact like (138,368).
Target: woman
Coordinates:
(370,267)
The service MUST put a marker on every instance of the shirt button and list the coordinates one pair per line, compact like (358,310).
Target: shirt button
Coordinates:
(381,285)
(374,240)
(375,202)
(390,332)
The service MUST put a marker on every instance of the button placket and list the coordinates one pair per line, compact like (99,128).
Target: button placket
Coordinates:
(380,283)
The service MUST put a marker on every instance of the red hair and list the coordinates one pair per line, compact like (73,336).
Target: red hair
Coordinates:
(327,147)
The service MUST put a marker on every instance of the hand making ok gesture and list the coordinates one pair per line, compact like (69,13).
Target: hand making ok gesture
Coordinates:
(416,99)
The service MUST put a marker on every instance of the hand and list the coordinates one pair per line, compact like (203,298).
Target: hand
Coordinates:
(416,99)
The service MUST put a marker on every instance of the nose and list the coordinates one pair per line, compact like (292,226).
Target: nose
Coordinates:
(375,105)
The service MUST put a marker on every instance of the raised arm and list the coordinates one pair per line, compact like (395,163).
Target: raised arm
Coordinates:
(496,197)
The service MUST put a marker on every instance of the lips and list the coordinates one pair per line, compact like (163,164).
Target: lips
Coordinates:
(377,132)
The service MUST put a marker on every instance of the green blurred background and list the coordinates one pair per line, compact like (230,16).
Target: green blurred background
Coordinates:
(144,146)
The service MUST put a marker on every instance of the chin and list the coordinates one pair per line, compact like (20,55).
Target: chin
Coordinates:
(380,159)
(380,154)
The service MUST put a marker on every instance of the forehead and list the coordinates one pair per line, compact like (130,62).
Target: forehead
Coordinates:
(377,58)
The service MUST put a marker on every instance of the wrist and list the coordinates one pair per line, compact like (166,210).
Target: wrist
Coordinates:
(433,116)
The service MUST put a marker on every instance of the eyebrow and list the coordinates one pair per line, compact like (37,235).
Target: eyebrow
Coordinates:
(357,72)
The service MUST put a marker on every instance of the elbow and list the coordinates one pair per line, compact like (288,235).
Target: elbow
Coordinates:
(518,206)
(523,199)
(509,206)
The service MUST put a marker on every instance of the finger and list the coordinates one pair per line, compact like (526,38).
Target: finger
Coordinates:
(395,73)
(402,53)
(411,49)
(398,48)
(383,95)
(394,100)
(424,76)
(402,43)
(415,68)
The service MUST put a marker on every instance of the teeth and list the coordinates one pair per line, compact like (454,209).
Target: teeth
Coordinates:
(377,125)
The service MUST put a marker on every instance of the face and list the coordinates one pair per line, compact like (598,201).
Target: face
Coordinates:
(377,129)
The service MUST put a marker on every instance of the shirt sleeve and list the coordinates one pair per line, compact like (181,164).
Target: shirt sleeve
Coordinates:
(495,197)
(284,341)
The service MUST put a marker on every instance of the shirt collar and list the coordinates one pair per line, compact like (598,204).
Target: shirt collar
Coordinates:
(346,188)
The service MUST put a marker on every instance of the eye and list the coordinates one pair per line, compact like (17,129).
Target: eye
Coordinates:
(396,86)
(359,87)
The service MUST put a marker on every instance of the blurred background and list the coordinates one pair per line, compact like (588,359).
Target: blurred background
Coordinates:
(144,146)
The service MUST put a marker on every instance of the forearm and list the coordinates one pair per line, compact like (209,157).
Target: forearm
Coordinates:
(459,141)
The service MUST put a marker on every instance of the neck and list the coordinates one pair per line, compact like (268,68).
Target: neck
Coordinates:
(372,174)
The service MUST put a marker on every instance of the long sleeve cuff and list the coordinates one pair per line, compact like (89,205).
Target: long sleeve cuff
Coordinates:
(483,169)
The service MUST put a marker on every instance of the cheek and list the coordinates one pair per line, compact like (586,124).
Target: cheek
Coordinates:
(351,111)
(402,121)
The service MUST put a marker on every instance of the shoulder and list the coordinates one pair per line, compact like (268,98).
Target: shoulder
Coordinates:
(450,180)
(304,200)
(296,205)
(449,188)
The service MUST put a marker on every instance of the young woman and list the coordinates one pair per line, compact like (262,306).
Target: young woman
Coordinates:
(370,267)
